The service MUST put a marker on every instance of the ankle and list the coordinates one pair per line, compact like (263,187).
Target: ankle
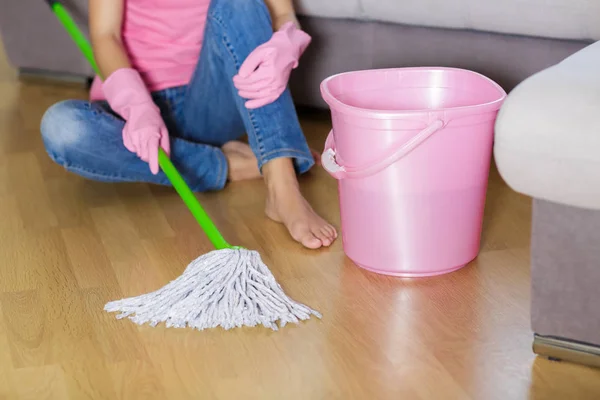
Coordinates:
(279,174)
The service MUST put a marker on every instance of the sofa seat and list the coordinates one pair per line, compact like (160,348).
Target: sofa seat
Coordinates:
(547,141)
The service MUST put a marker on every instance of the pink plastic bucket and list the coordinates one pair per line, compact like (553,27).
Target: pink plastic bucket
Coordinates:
(411,150)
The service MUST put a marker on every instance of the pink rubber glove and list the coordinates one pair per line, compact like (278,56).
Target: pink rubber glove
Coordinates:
(144,128)
(264,75)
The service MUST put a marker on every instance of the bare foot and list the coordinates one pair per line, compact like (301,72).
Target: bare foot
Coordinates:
(241,160)
(285,204)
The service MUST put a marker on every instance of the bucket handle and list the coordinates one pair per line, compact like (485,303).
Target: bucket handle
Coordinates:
(342,172)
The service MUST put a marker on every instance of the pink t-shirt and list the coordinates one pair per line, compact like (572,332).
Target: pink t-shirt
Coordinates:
(163,39)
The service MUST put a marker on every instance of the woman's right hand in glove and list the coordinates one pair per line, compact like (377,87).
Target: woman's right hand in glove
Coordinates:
(145,131)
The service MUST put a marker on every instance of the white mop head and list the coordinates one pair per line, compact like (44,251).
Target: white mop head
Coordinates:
(228,288)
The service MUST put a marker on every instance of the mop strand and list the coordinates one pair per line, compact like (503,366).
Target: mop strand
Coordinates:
(229,288)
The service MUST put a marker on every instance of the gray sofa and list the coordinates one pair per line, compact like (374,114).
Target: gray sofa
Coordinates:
(548,147)
(507,41)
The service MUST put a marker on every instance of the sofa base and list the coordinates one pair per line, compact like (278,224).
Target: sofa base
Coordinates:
(564,272)
(52,76)
(559,349)
(565,276)
(341,45)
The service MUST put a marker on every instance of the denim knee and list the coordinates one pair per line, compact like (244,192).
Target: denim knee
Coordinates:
(61,128)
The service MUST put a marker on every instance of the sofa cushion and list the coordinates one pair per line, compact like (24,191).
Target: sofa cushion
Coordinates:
(565,19)
(329,8)
(548,133)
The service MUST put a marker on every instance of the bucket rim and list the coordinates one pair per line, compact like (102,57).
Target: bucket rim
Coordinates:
(339,106)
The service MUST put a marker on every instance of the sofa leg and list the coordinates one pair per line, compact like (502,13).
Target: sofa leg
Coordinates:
(558,349)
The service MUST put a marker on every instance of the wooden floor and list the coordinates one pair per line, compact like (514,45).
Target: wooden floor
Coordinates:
(67,246)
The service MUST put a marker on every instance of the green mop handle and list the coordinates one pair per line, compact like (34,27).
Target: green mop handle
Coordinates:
(166,165)
(191,202)
(71,27)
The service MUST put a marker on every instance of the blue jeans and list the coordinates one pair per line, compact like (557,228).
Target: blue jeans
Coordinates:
(85,137)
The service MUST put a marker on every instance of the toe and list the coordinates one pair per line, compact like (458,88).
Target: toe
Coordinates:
(324,236)
(332,231)
(324,233)
(311,241)
(329,232)
(302,233)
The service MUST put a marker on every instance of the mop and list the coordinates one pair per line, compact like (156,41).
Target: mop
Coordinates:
(229,287)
